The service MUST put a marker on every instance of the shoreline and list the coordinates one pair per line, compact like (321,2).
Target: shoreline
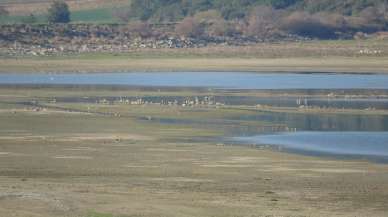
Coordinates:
(121,64)
(158,164)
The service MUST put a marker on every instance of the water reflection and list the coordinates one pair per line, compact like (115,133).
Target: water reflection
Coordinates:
(323,122)
(224,80)
(374,144)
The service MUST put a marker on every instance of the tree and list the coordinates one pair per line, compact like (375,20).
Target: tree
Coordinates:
(140,28)
(304,24)
(59,12)
(282,3)
(222,27)
(208,17)
(372,15)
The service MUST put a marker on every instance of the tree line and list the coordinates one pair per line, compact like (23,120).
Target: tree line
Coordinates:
(174,10)
(263,18)
(324,19)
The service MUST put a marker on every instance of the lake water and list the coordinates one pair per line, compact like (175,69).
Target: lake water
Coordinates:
(339,134)
(321,122)
(373,144)
(227,80)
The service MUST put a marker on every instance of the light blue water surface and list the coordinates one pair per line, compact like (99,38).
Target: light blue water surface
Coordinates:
(232,80)
(339,143)
(344,143)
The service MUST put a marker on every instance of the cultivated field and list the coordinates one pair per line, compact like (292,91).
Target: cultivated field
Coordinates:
(90,11)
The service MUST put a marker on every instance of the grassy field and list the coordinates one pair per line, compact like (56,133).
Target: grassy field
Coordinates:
(128,64)
(91,163)
(91,11)
(98,16)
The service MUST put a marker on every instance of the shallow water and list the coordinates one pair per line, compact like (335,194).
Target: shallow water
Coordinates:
(277,101)
(338,134)
(321,122)
(227,80)
(337,143)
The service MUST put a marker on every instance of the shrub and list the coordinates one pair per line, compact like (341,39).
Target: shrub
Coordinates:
(262,22)
(336,21)
(370,20)
(208,17)
(140,28)
(158,10)
(373,15)
(308,25)
(282,3)
(189,27)
(222,27)
(59,12)
(168,13)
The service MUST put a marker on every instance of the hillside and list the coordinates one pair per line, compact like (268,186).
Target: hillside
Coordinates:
(258,19)
(235,9)
(346,7)
(229,8)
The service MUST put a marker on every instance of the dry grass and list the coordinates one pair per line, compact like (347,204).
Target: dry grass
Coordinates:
(316,56)
(331,64)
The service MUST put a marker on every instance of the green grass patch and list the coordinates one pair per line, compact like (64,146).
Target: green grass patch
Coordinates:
(98,16)
(40,19)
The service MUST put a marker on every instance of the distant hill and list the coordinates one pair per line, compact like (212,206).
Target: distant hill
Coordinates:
(173,10)
(346,7)
(232,9)
(250,18)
